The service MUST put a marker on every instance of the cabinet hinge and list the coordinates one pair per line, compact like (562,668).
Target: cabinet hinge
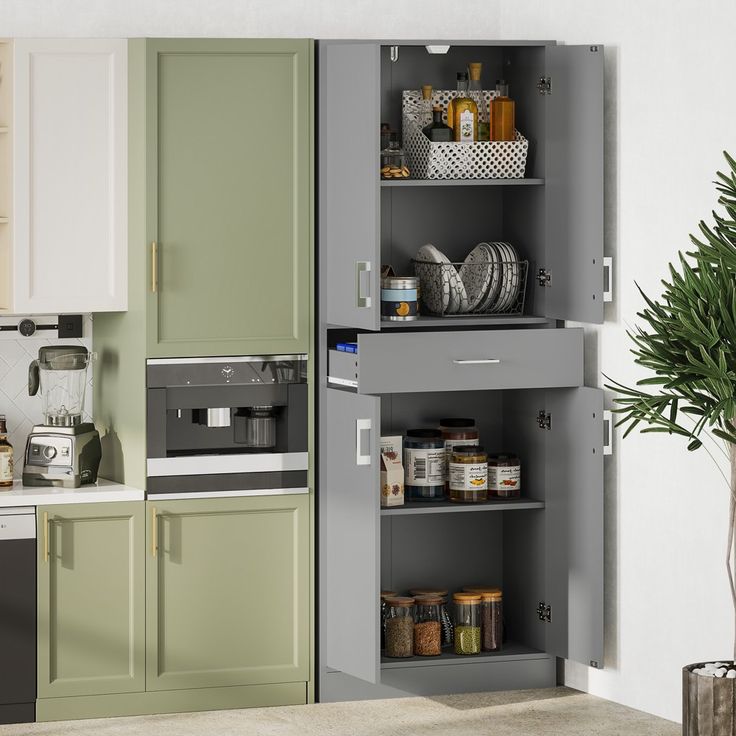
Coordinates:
(544,85)
(544,420)
(595,664)
(394,53)
(544,277)
(544,612)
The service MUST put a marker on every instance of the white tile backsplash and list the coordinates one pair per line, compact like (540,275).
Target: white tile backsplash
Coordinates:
(16,353)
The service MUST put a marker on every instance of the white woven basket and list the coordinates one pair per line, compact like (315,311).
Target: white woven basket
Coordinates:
(480,160)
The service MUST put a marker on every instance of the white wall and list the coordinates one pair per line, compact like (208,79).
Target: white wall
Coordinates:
(671,110)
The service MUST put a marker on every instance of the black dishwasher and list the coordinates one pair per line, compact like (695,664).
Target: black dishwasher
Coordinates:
(17,615)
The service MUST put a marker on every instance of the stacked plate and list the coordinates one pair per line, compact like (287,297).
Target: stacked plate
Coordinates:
(488,281)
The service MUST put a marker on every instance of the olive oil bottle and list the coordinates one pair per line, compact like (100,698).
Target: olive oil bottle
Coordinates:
(503,112)
(462,113)
(6,456)
(475,91)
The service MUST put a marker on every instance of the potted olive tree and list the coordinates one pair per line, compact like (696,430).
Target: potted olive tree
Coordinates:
(688,343)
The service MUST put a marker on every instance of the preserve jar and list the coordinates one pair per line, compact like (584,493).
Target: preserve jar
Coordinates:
(504,476)
(468,474)
(424,464)
(445,618)
(399,627)
(467,623)
(399,298)
(458,431)
(384,611)
(428,627)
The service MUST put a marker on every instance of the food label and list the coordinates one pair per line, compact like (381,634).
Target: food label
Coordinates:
(467,124)
(424,467)
(6,466)
(450,444)
(504,480)
(468,476)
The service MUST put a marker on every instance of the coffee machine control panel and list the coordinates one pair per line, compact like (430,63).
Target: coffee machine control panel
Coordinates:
(49,450)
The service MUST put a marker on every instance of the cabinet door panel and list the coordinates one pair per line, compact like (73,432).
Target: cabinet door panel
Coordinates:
(464,361)
(350,535)
(349,115)
(229,128)
(70,175)
(574,518)
(574,183)
(90,599)
(227,592)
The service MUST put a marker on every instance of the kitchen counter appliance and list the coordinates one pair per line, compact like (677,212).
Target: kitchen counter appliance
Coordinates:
(18,615)
(227,425)
(63,451)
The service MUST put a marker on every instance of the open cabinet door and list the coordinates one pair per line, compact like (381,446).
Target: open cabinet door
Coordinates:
(574,183)
(350,528)
(349,114)
(574,524)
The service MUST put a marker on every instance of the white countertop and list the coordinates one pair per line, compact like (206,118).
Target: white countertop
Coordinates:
(103,490)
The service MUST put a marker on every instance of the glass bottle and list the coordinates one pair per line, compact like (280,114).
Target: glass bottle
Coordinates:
(425,106)
(465,130)
(503,112)
(437,131)
(400,627)
(475,92)
(491,620)
(6,456)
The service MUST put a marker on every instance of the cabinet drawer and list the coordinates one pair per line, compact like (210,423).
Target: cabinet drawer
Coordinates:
(461,361)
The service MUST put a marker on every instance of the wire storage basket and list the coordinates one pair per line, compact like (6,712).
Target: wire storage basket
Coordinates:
(478,160)
(457,289)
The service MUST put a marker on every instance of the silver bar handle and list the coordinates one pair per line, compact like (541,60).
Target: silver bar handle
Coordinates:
(361,267)
(476,361)
(607,279)
(607,433)
(362,425)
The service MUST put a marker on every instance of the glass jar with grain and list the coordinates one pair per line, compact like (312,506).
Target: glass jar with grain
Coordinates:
(400,627)
(445,618)
(467,623)
(384,613)
(491,617)
(428,627)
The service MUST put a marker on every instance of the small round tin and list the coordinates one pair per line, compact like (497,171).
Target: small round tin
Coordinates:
(399,298)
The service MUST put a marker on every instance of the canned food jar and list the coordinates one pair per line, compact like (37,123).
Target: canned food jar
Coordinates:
(458,431)
(468,474)
(399,298)
(504,476)
(400,627)
(424,464)
(467,623)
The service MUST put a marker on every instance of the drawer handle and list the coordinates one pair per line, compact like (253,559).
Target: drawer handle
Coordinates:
(362,425)
(476,361)
(45,536)
(154,267)
(154,530)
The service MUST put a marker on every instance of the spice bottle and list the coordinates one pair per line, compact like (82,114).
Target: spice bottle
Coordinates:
(468,474)
(428,627)
(400,627)
(424,464)
(467,623)
(445,618)
(491,616)
(384,613)
(503,112)
(504,476)
(457,431)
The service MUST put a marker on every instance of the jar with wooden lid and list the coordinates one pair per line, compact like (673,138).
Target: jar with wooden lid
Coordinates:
(467,623)
(457,431)
(491,616)
(468,474)
(424,464)
(504,476)
(445,618)
(384,611)
(399,627)
(428,627)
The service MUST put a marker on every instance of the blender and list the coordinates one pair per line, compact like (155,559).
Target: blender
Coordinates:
(63,451)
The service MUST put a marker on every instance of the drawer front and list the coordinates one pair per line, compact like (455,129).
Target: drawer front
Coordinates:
(466,361)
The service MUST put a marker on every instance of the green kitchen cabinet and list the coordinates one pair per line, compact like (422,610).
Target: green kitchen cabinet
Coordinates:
(227,592)
(228,188)
(91,606)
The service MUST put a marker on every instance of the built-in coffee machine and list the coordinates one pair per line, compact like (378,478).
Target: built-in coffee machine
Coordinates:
(64,450)
(227,424)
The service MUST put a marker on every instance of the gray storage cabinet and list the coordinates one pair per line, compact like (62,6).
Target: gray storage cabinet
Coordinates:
(526,393)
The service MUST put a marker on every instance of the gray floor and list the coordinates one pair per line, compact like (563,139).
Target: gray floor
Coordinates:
(520,713)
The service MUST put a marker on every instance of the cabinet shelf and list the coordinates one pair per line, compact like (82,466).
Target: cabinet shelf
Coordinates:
(449,507)
(429,322)
(461,182)
(511,651)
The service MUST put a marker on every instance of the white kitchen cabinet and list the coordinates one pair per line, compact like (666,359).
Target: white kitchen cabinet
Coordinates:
(63,209)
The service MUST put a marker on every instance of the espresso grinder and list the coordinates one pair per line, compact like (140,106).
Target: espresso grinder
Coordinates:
(64,451)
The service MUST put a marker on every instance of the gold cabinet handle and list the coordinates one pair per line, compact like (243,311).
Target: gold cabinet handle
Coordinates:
(154,266)
(154,541)
(45,536)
